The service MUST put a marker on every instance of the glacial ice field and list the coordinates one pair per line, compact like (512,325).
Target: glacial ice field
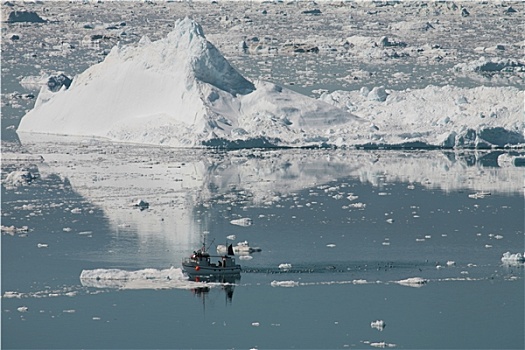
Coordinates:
(189,88)
(372,152)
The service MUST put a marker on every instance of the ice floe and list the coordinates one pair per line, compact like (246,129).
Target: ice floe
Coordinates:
(382,344)
(245,222)
(515,259)
(413,282)
(137,279)
(12,230)
(23,309)
(286,284)
(285,266)
(378,324)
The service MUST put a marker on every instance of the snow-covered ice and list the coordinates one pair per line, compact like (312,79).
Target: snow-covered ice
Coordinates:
(444,117)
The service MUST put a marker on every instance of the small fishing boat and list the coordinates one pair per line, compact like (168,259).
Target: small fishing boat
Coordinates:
(201,263)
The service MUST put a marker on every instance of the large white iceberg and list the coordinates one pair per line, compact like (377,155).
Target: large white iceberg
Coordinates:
(180,91)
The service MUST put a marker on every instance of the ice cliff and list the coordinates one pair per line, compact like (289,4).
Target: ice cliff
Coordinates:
(180,91)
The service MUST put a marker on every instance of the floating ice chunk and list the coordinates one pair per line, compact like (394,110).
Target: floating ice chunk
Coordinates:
(286,284)
(22,309)
(360,281)
(479,195)
(256,324)
(378,324)
(383,345)
(172,278)
(42,245)
(76,211)
(413,282)
(242,222)
(242,248)
(357,205)
(10,294)
(285,266)
(19,178)
(451,263)
(513,259)
(12,229)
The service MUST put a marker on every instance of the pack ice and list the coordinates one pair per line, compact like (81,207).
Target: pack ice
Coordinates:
(180,91)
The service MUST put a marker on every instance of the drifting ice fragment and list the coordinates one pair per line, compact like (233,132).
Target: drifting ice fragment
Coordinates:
(242,222)
(285,266)
(513,259)
(383,345)
(413,282)
(378,324)
(286,284)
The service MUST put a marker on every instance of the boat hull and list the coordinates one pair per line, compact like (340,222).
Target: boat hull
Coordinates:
(200,270)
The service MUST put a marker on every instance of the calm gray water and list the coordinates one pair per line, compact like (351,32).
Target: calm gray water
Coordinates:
(351,224)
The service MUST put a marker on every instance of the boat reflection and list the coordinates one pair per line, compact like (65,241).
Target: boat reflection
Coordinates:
(226,283)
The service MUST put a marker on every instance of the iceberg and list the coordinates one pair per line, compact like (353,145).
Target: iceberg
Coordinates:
(180,91)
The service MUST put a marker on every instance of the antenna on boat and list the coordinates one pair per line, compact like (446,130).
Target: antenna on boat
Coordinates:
(204,244)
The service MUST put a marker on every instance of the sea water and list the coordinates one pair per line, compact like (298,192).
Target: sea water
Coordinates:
(339,232)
